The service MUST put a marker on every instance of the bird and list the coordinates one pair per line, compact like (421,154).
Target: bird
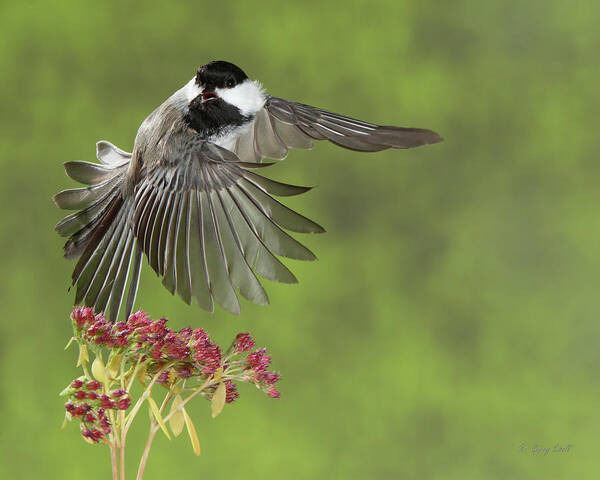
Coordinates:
(190,200)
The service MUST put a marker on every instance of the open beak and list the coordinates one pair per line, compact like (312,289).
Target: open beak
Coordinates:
(207,96)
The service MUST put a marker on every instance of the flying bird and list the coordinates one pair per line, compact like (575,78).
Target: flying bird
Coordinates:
(187,199)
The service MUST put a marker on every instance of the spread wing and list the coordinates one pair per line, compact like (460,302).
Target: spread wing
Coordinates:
(207,224)
(282,125)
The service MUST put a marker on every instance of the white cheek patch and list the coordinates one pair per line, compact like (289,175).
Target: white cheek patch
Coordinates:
(249,96)
(191,90)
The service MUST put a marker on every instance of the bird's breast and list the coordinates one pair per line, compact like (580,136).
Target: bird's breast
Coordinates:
(228,137)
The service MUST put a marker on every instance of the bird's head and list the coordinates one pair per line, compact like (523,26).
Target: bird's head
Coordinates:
(222,95)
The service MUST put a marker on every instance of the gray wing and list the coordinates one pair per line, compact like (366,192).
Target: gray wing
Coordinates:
(207,225)
(282,125)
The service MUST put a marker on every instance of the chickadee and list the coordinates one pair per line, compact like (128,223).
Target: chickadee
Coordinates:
(186,197)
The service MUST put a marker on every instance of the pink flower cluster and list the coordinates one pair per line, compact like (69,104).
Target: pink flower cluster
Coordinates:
(177,354)
(89,404)
(257,363)
(191,351)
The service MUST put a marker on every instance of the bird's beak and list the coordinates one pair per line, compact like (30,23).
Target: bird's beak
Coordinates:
(207,96)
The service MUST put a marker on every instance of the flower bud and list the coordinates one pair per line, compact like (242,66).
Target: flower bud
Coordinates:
(124,404)
(106,402)
(80,395)
(77,383)
(98,370)
(93,385)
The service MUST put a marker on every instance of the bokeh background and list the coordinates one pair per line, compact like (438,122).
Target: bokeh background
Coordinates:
(452,316)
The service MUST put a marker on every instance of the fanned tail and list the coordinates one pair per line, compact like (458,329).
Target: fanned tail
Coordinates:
(99,233)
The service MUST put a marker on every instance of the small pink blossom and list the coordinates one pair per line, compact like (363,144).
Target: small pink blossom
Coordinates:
(268,378)
(243,342)
(273,393)
(230,391)
(258,360)
(82,316)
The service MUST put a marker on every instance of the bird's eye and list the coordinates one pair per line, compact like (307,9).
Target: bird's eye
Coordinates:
(230,82)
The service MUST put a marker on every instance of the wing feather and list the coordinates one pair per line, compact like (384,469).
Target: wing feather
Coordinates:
(116,256)
(164,234)
(198,267)
(118,288)
(256,252)
(208,226)
(273,187)
(274,238)
(101,273)
(154,245)
(277,212)
(266,140)
(282,125)
(91,269)
(135,278)
(218,270)
(240,271)
(169,277)
(182,273)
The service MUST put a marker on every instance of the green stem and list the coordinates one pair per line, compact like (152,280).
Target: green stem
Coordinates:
(134,374)
(144,459)
(151,434)
(154,427)
(113,461)
(86,372)
(164,402)
(144,396)
(122,457)
(121,417)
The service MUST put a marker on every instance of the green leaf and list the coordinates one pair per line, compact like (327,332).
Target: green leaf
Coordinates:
(113,366)
(192,432)
(177,419)
(84,358)
(70,342)
(98,369)
(218,374)
(141,375)
(158,416)
(218,400)
(66,420)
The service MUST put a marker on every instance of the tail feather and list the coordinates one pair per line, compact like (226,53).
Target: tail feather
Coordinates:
(82,198)
(99,233)
(76,221)
(88,173)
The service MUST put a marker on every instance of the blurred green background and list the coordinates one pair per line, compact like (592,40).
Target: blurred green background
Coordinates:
(453,314)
